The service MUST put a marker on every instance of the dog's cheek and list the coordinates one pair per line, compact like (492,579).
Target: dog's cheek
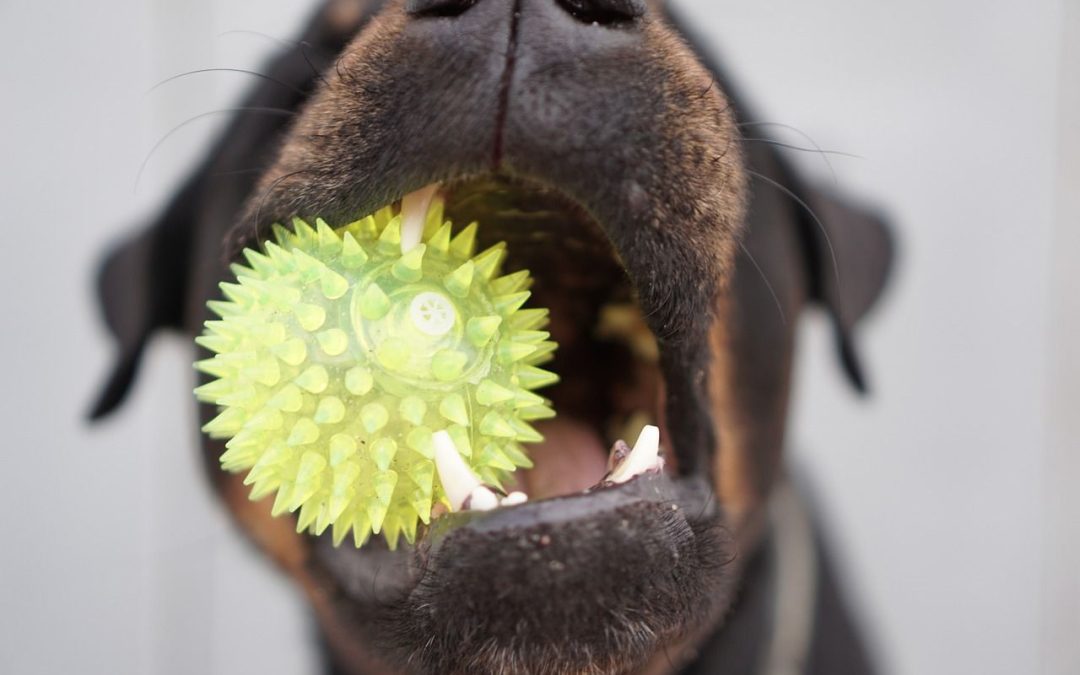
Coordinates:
(751,343)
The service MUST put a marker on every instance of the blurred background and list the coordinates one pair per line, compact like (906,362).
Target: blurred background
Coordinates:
(952,493)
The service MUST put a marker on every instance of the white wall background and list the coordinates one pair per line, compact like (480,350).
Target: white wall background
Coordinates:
(952,491)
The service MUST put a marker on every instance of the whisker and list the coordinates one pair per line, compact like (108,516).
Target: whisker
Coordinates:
(287,44)
(276,40)
(708,504)
(791,146)
(304,47)
(236,239)
(772,292)
(800,132)
(269,190)
(821,226)
(337,69)
(253,73)
(707,89)
(253,109)
(655,311)
(824,153)
(667,657)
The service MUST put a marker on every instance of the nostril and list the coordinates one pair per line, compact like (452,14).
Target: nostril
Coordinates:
(604,12)
(438,7)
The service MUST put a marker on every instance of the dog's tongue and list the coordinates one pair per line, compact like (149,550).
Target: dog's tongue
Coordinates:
(571,458)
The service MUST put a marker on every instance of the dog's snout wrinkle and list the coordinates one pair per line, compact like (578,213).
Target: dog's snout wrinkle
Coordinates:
(505,85)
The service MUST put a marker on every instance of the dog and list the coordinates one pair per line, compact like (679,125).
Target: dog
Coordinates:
(676,247)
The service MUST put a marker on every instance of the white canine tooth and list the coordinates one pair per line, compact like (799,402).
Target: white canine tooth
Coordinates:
(483,499)
(458,480)
(644,457)
(619,451)
(514,498)
(414,209)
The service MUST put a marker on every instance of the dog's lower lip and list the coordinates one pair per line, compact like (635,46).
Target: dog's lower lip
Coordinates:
(376,577)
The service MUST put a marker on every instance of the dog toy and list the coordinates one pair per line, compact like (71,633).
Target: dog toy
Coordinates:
(340,353)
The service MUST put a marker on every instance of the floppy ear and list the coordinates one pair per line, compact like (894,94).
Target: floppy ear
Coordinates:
(141,287)
(144,282)
(849,255)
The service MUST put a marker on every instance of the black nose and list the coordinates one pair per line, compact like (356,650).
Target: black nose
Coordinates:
(602,12)
(438,7)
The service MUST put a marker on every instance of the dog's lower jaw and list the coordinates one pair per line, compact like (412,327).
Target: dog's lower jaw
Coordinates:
(545,588)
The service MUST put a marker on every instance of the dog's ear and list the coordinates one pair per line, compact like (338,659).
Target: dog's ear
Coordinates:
(141,286)
(849,254)
(144,282)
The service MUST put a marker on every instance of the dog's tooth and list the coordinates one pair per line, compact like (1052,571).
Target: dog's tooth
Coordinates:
(644,457)
(619,452)
(458,480)
(514,498)
(414,210)
(482,499)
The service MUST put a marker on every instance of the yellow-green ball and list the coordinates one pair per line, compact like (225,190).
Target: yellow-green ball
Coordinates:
(338,356)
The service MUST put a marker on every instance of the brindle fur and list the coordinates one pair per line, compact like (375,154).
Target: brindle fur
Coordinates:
(641,132)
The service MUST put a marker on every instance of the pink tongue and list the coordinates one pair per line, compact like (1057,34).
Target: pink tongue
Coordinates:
(572,458)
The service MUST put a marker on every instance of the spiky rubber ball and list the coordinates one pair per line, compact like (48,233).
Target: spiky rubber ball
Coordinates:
(338,355)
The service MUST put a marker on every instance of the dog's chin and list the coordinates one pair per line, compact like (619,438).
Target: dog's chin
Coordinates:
(612,558)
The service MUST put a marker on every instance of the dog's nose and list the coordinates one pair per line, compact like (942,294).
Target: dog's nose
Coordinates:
(438,7)
(604,11)
(587,11)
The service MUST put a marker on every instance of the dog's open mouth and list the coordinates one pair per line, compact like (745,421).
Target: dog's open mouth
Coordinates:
(609,391)
(602,518)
